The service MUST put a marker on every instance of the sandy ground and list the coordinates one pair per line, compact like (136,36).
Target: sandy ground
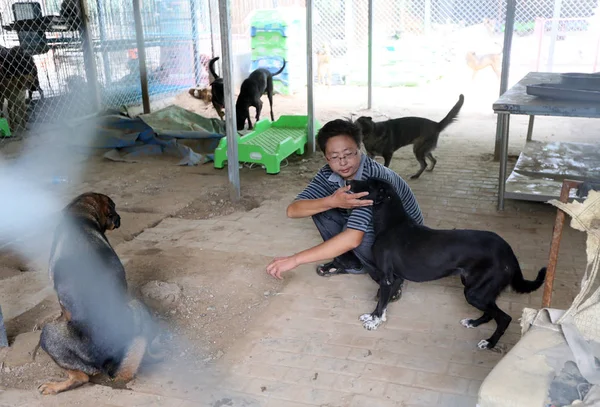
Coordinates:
(217,307)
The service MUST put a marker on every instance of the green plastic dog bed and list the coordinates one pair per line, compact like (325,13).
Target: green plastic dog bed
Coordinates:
(270,143)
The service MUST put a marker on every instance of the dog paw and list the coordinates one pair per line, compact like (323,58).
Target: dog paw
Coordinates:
(467,323)
(365,317)
(483,344)
(415,176)
(373,324)
(48,388)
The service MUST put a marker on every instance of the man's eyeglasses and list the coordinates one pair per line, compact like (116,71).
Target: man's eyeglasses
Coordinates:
(344,157)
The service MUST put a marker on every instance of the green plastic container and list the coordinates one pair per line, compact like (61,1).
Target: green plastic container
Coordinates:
(270,143)
(4,128)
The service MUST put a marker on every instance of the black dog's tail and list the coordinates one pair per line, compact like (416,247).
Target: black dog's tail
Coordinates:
(281,70)
(522,286)
(211,67)
(451,116)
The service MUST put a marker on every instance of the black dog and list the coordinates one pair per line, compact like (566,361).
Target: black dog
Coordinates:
(217,89)
(100,330)
(404,249)
(586,186)
(383,138)
(252,89)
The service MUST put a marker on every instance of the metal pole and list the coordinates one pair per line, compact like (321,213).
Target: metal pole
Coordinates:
(553,34)
(310,130)
(102,32)
(427,16)
(370,57)
(233,168)
(139,36)
(509,25)
(89,61)
(504,126)
(212,33)
(195,35)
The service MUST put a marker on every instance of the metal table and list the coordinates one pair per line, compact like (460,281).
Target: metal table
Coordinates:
(517,101)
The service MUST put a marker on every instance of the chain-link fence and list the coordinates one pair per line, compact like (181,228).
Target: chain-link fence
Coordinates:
(57,65)
(67,66)
(420,41)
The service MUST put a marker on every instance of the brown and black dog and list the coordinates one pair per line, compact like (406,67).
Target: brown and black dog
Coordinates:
(479,62)
(101,329)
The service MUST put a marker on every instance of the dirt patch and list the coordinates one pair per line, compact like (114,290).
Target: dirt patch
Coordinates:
(217,203)
(12,264)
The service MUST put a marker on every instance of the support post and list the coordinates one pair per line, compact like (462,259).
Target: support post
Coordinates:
(102,32)
(233,168)
(141,47)
(89,60)
(195,36)
(310,130)
(509,26)
(370,57)
(553,34)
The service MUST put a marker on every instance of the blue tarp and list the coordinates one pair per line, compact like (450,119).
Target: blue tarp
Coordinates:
(151,134)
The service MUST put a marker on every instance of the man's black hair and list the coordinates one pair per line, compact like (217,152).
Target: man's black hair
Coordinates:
(338,127)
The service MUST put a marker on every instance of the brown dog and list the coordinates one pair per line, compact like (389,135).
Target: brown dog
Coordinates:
(477,63)
(18,73)
(204,94)
(101,330)
(324,65)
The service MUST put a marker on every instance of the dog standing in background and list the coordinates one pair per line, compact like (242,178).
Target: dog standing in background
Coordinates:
(324,65)
(100,330)
(384,138)
(217,89)
(18,74)
(254,86)
(477,63)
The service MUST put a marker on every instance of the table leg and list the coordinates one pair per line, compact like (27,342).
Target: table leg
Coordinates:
(503,126)
(530,128)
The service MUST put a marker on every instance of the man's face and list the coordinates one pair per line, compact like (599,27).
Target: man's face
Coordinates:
(343,156)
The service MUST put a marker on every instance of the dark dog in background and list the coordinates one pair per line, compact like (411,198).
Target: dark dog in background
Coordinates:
(479,62)
(384,138)
(403,249)
(259,82)
(217,89)
(18,73)
(100,329)
(586,186)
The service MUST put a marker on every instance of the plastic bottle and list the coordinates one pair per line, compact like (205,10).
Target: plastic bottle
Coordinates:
(57,179)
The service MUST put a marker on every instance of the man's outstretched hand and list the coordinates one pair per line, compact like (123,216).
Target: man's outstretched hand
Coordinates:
(280,265)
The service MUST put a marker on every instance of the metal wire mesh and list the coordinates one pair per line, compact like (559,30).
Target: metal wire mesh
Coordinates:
(64,68)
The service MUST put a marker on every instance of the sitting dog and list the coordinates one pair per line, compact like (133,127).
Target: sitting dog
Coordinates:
(403,249)
(217,89)
(383,138)
(18,73)
(477,63)
(252,89)
(100,330)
